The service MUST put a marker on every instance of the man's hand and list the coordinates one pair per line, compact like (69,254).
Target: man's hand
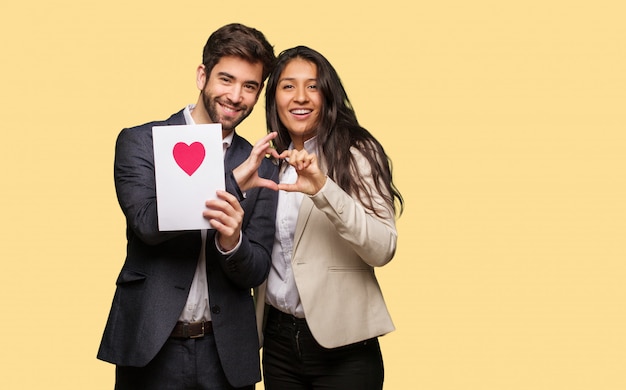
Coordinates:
(247,175)
(226,216)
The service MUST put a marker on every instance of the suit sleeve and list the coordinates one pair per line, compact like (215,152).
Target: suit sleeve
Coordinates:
(249,265)
(373,238)
(136,186)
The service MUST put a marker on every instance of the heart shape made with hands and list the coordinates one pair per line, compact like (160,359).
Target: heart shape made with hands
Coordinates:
(189,157)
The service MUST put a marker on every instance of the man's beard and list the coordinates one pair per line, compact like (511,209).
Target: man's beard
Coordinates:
(210,104)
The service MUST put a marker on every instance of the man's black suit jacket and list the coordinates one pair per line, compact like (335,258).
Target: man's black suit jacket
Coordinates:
(154,282)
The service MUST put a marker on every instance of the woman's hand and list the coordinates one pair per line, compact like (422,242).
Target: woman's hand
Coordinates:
(310,178)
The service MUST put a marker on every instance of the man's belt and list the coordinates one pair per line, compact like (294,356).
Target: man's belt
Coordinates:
(192,330)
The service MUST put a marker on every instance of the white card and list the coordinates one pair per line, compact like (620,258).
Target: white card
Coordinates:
(189,169)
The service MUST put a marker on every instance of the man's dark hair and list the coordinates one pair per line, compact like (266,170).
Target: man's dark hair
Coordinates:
(241,41)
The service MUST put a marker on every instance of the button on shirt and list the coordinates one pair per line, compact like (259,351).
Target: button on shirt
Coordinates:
(282,292)
(197,306)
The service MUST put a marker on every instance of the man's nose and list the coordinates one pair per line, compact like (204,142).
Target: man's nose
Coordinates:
(236,94)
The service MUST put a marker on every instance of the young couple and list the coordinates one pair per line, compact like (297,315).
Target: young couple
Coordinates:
(306,235)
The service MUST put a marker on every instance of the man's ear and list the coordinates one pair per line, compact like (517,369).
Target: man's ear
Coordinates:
(201,77)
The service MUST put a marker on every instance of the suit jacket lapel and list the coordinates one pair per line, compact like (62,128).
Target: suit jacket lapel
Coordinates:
(234,155)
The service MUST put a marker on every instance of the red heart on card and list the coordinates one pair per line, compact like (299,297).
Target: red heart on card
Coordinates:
(189,157)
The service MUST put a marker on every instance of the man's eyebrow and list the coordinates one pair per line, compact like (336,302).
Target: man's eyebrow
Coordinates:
(230,76)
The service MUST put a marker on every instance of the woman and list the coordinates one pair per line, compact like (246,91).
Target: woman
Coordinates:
(322,306)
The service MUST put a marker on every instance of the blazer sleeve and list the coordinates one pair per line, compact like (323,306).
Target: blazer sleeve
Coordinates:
(249,265)
(135,184)
(373,238)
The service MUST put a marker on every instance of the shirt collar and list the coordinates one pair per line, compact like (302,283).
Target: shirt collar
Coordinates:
(226,141)
(310,145)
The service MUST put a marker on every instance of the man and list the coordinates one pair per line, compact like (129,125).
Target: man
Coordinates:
(183,315)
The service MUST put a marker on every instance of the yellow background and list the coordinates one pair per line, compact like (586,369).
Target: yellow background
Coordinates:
(505,122)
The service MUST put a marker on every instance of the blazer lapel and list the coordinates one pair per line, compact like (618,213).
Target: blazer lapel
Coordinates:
(304,214)
(303,217)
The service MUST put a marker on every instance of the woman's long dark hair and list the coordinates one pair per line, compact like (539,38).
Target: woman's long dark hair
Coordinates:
(337,131)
